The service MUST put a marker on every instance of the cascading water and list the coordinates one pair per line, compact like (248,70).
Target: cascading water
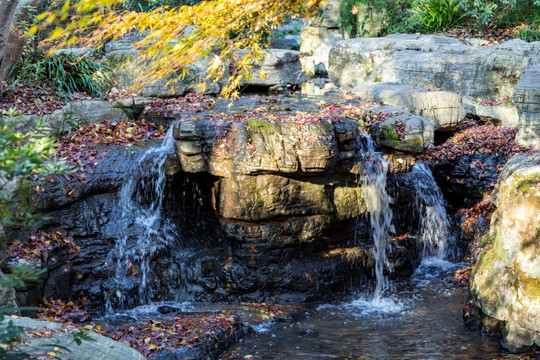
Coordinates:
(434,228)
(378,204)
(147,231)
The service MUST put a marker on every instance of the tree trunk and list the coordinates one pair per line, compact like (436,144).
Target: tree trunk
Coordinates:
(12,39)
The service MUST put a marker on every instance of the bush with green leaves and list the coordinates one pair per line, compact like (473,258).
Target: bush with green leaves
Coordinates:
(21,155)
(395,19)
(67,72)
(435,15)
(409,16)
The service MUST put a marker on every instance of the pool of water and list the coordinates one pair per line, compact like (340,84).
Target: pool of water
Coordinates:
(420,318)
(416,318)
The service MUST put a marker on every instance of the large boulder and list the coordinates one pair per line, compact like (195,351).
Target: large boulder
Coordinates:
(435,62)
(527,100)
(54,337)
(442,108)
(84,112)
(127,66)
(506,279)
(316,43)
(408,133)
(280,68)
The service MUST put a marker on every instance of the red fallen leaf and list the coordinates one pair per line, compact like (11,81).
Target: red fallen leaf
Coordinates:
(254,249)
(342,250)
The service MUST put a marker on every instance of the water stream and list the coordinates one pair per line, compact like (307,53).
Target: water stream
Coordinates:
(434,228)
(418,317)
(378,203)
(147,230)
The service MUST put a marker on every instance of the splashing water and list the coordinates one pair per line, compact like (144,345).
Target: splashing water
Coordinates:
(147,232)
(378,204)
(434,230)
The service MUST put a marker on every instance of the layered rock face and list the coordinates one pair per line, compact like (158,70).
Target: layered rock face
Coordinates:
(265,203)
(527,100)
(434,62)
(275,181)
(506,278)
(280,68)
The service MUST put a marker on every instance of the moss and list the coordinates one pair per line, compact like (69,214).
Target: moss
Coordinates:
(531,287)
(389,135)
(261,125)
(415,144)
(378,79)
(523,184)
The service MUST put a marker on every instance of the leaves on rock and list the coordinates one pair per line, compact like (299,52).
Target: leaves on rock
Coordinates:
(40,243)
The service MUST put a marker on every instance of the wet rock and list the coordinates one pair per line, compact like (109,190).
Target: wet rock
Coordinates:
(506,277)
(468,178)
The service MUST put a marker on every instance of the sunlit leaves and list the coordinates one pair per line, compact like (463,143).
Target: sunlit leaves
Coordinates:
(222,31)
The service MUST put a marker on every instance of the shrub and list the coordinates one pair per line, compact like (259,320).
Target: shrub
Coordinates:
(529,33)
(434,15)
(67,72)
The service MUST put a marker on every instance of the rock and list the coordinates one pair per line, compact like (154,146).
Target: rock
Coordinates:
(317,87)
(442,108)
(287,42)
(99,348)
(527,100)
(93,111)
(52,122)
(280,67)
(127,42)
(435,62)
(73,51)
(506,278)
(408,133)
(501,115)
(84,112)
(316,43)
(7,295)
(476,42)
(127,67)
(331,15)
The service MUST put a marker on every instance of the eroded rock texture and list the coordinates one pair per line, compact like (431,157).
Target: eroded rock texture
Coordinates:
(506,278)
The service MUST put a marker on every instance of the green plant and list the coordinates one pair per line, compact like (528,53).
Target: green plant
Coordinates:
(528,33)
(10,335)
(504,13)
(21,156)
(67,72)
(434,15)
(395,16)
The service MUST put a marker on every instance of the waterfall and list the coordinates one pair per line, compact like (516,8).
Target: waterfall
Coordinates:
(434,227)
(378,203)
(146,232)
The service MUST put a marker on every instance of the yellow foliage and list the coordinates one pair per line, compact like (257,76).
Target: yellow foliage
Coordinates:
(223,32)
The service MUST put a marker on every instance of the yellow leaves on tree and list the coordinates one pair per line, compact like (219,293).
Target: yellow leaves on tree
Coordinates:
(227,34)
